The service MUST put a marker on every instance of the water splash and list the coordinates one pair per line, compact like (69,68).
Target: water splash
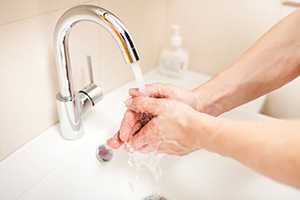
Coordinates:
(137,160)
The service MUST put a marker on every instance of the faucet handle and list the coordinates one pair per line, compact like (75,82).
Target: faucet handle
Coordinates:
(91,92)
(90,68)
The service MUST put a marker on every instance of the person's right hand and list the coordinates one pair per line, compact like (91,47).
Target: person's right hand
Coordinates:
(132,121)
(175,128)
(199,101)
(166,91)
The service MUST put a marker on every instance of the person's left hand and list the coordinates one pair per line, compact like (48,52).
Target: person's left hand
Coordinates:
(133,121)
(175,128)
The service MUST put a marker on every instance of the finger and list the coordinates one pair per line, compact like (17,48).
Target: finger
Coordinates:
(168,152)
(146,149)
(152,90)
(115,141)
(135,92)
(138,141)
(135,129)
(162,148)
(146,105)
(146,136)
(167,148)
(129,125)
(152,147)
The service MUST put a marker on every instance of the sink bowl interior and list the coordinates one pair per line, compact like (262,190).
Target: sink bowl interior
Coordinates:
(200,175)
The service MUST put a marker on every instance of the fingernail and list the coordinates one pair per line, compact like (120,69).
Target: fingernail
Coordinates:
(112,143)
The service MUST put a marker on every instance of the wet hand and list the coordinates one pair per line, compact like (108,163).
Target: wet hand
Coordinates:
(175,128)
(130,124)
(166,91)
(133,121)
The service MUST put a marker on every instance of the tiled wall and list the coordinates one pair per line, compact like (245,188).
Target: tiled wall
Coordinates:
(28,79)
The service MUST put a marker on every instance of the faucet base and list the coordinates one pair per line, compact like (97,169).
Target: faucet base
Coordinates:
(70,124)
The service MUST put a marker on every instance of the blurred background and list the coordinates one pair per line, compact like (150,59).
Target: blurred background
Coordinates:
(215,33)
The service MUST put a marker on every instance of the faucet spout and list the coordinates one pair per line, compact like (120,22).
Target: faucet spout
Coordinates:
(70,103)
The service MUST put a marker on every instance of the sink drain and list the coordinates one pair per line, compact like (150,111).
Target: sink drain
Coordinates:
(104,154)
(155,197)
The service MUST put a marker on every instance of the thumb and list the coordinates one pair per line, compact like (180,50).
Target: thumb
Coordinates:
(146,105)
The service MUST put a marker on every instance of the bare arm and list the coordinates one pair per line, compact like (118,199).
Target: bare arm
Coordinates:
(271,148)
(273,61)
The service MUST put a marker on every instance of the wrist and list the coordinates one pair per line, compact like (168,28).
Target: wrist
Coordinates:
(207,103)
(206,129)
(224,141)
(214,143)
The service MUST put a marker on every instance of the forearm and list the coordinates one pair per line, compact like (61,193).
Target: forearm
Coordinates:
(271,148)
(273,61)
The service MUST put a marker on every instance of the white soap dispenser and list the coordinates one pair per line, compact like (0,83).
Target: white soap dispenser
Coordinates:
(174,61)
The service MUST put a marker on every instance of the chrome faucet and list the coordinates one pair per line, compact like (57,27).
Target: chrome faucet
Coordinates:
(72,104)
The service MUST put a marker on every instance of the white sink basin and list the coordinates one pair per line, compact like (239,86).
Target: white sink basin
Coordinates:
(50,168)
(201,175)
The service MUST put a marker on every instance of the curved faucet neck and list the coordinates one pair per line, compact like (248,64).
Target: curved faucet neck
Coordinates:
(63,28)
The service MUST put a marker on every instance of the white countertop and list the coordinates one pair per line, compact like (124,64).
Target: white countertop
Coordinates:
(49,167)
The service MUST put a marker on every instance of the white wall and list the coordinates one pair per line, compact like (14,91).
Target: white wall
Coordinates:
(217,32)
